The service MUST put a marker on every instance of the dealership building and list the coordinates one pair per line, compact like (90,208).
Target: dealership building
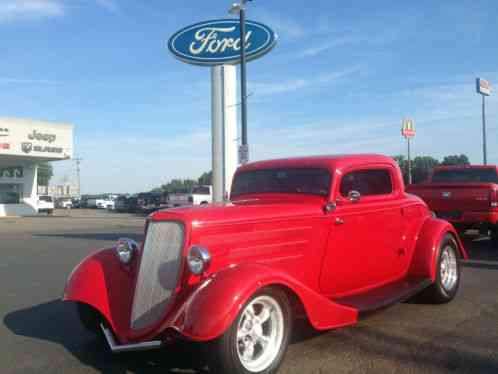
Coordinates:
(23,144)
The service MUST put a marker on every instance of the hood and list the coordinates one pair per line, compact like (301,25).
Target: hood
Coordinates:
(243,210)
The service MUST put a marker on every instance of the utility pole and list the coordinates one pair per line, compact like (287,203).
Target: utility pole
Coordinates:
(483,87)
(78,161)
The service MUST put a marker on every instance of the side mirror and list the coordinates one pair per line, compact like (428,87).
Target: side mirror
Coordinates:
(354,196)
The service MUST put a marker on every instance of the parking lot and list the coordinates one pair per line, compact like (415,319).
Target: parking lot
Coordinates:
(40,334)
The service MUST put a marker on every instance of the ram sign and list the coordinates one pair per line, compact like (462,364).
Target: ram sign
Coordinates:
(218,42)
(35,139)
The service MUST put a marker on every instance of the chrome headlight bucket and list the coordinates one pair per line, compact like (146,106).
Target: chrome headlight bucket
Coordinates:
(125,249)
(198,259)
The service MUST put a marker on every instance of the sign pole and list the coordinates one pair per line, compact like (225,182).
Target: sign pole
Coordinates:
(217,132)
(409,163)
(484,150)
(243,86)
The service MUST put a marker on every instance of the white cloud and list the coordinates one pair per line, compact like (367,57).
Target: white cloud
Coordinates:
(284,27)
(12,10)
(109,5)
(272,88)
(316,50)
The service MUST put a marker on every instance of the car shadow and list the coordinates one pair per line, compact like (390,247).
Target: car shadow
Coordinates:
(112,236)
(57,322)
(483,252)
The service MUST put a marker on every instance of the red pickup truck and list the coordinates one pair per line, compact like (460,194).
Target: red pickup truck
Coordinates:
(467,196)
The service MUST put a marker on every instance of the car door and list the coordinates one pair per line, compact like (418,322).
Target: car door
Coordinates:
(363,250)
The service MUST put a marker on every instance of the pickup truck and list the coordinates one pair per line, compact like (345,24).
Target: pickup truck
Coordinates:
(179,198)
(329,239)
(466,196)
(45,204)
(201,195)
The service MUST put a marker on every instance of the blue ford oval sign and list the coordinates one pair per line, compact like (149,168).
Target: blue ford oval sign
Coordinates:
(218,42)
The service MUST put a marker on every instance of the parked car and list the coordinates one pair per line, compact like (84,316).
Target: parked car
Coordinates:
(64,203)
(76,203)
(179,198)
(201,195)
(467,196)
(126,204)
(45,204)
(328,238)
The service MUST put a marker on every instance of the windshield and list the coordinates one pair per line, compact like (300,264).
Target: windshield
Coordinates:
(45,198)
(303,181)
(202,190)
(465,175)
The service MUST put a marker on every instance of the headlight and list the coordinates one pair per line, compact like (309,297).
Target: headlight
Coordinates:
(198,259)
(125,248)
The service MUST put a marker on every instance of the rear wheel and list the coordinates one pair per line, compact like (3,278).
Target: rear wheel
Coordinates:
(257,340)
(447,281)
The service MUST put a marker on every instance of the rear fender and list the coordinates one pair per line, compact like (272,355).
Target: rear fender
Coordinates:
(215,304)
(426,253)
(98,279)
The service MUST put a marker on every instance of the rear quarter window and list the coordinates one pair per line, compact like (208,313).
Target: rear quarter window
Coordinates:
(367,182)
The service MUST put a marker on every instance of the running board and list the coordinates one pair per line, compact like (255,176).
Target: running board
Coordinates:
(384,296)
(119,348)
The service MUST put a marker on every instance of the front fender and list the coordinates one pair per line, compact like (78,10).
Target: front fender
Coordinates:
(98,280)
(424,260)
(212,308)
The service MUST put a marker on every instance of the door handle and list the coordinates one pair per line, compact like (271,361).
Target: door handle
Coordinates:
(339,221)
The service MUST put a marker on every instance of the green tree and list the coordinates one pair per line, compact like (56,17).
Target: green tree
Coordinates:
(456,160)
(206,179)
(422,166)
(45,173)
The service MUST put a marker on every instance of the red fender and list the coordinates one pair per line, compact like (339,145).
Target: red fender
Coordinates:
(212,308)
(99,279)
(425,256)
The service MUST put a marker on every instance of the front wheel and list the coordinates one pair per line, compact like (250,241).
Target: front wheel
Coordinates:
(447,281)
(257,340)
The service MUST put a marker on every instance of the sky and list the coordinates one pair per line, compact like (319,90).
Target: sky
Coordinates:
(340,80)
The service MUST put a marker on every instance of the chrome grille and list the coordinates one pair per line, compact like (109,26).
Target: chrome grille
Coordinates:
(158,274)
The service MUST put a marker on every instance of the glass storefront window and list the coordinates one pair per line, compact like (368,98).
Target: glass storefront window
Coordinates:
(10,193)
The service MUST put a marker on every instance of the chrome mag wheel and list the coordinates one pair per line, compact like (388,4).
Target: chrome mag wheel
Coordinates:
(260,333)
(448,268)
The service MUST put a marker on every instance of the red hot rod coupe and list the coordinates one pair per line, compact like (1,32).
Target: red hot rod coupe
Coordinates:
(328,238)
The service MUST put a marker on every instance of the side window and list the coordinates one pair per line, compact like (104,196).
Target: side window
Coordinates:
(367,182)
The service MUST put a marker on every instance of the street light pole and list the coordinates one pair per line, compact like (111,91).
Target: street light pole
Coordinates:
(243,81)
(240,9)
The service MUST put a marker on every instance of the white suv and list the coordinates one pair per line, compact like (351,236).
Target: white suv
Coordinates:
(45,204)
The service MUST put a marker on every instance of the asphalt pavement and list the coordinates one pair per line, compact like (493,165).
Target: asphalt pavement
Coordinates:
(41,334)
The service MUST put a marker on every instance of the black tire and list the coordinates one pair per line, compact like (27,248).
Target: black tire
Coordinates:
(90,318)
(437,293)
(222,354)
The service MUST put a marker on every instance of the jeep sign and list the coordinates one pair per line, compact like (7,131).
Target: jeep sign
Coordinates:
(218,42)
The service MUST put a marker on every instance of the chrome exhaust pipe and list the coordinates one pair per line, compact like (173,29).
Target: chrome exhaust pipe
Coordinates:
(119,348)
